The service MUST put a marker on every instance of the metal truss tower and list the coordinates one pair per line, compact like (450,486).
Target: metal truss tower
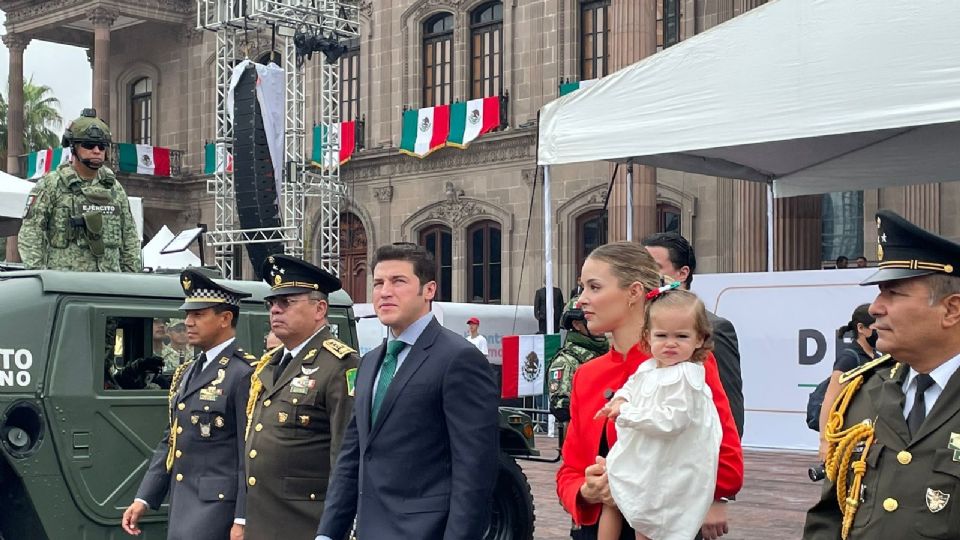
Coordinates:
(232,20)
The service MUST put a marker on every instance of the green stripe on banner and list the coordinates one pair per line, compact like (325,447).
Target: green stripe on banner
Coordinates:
(458,122)
(209,158)
(566,88)
(127,157)
(31,164)
(551,345)
(317,154)
(807,385)
(408,137)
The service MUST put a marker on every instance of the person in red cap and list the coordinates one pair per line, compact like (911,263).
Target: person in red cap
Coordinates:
(478,340)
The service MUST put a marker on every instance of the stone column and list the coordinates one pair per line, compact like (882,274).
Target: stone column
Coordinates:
(633,36)
(798,232)
(922,206)
(102,19)
(16,43)
(750,216)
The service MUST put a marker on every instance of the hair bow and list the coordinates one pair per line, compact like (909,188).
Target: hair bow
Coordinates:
(660,290)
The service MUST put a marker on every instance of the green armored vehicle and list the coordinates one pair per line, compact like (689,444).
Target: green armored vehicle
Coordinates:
(83,402)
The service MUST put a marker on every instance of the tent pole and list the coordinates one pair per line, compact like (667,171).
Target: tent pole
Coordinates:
(629,202)
(769,227)
(547,251)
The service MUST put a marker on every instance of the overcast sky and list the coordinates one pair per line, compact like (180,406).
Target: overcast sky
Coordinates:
(61,67)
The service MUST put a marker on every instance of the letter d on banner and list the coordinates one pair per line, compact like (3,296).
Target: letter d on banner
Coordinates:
(806,358)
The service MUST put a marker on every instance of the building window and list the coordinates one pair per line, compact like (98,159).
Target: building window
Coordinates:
(438,60)
(842,225)
(484,253)
(141,111)
(594,33)
(668,218)
(668,23)
(591,234)
(350,82)
(438,240)
(486,44)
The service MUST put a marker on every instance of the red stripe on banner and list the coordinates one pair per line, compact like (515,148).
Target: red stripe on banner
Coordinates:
(510,349)
(49,162)
(347,140)
(161,161)
(441,126)
(491,113)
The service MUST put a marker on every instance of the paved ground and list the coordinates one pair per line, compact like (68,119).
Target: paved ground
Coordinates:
(772,504)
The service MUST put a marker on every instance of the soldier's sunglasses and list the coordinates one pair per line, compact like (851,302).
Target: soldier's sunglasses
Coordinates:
(92,145)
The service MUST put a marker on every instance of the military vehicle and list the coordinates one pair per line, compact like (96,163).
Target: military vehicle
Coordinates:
(81,410)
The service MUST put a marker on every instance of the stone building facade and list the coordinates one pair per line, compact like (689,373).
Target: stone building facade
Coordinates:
(480,209)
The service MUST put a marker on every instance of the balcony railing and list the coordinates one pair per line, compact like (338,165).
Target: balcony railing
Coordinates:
(176,162)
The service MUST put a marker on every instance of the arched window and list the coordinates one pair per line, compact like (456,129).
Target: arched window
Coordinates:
(668,218)
(438,240)
(141,111)
(484,251)
(486,44)
(353,256)
(438,60)
(350,82)
(591,234)
(594,34)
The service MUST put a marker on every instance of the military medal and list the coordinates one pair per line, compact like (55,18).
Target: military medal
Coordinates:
(210,393)
(300,385)
(282,417)
(218,421)
(955,445)
(204,430)
(194,418)
(937,500)
(304,420)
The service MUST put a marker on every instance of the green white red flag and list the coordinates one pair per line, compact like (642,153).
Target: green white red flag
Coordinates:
(525,363)
(41,162)
(425,130)
(143,159)
(469,120)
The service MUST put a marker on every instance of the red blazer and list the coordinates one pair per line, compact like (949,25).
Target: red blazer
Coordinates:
(582,443)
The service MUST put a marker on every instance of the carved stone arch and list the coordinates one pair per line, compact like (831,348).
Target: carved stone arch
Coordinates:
(686,202)
(566,217)
(411,33)
(132,73)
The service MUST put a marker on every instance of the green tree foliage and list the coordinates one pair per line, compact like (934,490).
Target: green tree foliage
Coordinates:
(42,122)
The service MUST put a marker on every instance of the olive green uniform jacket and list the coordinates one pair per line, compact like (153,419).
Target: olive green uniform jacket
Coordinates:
(911,488)
(294,436)
(102,236)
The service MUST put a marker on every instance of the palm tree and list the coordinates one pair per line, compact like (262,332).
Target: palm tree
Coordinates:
(41,118)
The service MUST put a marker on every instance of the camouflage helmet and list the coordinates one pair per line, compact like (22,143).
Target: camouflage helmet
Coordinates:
(87,128)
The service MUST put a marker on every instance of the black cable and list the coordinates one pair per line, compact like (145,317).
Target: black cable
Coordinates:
(606,201)
(526,239)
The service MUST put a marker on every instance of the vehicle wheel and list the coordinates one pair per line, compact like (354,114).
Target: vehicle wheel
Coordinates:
(511,512)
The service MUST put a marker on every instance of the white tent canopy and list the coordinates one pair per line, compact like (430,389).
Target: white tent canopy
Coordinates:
(812,95)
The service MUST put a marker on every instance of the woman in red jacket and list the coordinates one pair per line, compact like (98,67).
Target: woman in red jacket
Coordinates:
(616,278)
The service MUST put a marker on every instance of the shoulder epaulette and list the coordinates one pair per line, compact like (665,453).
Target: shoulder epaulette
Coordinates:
(337,348)
(859,370)
(246,357)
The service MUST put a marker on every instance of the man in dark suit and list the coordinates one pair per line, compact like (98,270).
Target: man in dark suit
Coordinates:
(540,309)
(895,432)
(419,460)
(677,260)
(199,461)
(301,400)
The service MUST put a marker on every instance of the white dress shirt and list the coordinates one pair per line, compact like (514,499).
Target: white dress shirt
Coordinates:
(941,376)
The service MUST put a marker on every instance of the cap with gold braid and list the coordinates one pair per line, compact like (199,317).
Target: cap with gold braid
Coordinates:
(201,292)
(905,251)
(289,275)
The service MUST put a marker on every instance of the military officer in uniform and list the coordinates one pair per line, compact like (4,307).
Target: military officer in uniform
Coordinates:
(579,347)
(893,466)
(199,461)
(301,400)
(78,216)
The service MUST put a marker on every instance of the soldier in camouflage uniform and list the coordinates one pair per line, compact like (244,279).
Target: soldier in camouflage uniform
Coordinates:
(78,216)
(578,348)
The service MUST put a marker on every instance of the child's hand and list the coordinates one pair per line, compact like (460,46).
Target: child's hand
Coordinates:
(611,410)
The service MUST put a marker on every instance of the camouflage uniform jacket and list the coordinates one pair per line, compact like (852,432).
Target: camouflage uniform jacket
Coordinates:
(577,350)
(47,238)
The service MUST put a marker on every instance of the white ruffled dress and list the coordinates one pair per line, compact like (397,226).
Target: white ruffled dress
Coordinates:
(663,468)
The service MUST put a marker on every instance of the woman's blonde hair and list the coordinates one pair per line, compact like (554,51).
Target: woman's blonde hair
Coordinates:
(681,299)
(629,262)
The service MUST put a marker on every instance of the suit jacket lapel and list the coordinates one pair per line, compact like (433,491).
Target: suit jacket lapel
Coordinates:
(266,374)
(205,377)
(366,376)
(411,363)
(888,398)
(945,408)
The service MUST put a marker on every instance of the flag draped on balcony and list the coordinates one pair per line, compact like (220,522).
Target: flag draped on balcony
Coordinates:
(143,159)
(342,137)
(216,158)
(41,162)
(469,120)
(425,130)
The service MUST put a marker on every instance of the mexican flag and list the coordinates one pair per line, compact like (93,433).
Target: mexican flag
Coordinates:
(525,363)
(566,88)
(471,119)
(41,162)
(144,159)
(216,158)
(425,130)
(343,135)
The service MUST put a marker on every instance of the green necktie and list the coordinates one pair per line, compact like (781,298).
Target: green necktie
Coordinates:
(387,370)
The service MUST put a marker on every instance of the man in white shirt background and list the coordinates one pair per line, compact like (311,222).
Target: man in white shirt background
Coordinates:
(480,342)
